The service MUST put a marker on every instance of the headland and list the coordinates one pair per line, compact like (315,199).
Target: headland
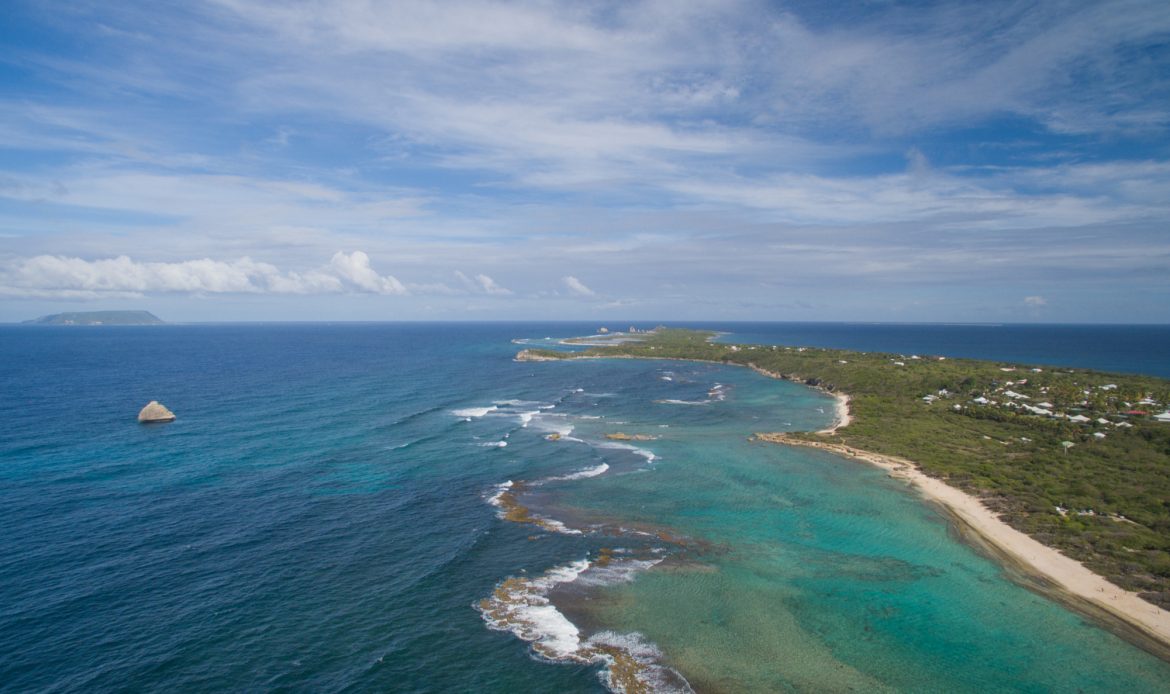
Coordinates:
(1056,472)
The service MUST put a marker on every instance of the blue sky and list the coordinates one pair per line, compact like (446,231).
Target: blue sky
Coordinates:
(675,160)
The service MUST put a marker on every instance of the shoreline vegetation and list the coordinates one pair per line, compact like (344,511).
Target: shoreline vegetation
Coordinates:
(1070,495)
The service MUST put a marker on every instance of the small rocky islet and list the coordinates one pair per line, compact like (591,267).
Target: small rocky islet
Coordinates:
(155,412)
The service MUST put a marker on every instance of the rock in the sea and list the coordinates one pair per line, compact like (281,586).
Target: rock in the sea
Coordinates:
(155,411)
(623,436)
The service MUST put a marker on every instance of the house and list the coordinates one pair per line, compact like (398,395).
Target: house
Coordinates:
(1082,419)
(1164,417)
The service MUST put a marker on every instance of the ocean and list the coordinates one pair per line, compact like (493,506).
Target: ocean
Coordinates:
(404,507)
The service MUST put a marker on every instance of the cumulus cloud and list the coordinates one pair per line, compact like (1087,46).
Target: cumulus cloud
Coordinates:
(489,286)
(577,286)
(1035,301)
(482,284)
(71,277)
(355,268)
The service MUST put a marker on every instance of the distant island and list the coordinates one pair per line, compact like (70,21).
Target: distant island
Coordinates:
(1030,458)
(98,318)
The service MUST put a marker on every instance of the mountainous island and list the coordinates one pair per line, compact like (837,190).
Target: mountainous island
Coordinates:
(1075,459)
(98,318)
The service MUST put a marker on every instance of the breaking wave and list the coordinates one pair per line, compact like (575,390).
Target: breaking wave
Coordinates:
(521,606)
(469,413)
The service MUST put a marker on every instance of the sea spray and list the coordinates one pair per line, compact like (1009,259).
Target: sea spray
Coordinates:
(521,606)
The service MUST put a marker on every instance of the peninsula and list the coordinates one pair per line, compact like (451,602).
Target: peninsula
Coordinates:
(1061,473)
(98,318)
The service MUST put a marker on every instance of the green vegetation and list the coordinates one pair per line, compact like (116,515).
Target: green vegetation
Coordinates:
(99,318)
(1072,457)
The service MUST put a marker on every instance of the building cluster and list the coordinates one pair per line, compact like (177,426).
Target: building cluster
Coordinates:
(1088,407)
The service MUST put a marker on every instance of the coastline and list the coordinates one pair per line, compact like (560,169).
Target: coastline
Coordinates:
(1064,579)
(1050,573)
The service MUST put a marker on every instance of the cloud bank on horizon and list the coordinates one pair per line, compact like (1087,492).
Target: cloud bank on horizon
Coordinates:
(249,159)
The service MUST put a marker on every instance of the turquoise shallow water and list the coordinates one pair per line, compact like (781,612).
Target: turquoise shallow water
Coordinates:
(818,573)
(319,518)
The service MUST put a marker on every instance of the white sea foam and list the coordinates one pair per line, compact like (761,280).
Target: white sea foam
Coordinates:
(553,424)
(655,676)
(494,444)
(521,606)
(527,404)
(648,455)
(616,571)
(671,401)
(494,499)
(582,474)
(526,417)
(474,412)
(557,527)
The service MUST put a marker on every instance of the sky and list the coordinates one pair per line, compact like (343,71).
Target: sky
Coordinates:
(680,160)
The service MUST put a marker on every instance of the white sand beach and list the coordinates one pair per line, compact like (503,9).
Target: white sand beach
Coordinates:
(1068,576)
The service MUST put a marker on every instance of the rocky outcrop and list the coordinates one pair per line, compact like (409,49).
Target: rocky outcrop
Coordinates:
(155,411)
(623,436)
(529,355)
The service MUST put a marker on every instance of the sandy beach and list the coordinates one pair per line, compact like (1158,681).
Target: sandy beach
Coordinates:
(1068,580)
(842,417)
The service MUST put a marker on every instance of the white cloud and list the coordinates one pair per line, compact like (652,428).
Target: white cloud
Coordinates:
(1035,301)
(355,268)
(702,144)
(482,284)
(577,286)
(489,286)
(71,277)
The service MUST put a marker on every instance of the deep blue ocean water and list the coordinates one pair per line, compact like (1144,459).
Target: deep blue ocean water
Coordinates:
(1141,349)
(318,518)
